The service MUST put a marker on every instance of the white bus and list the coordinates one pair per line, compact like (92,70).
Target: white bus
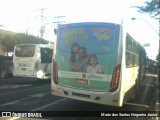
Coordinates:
(97,62)
(33,60)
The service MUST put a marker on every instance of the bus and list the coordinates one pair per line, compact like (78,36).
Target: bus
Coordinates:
(152,66)
(97,62)
(33,60)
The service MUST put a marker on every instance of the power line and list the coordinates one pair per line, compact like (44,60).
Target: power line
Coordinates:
(58,20)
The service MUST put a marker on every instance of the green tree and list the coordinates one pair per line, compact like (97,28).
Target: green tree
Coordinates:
(10,39)
(157,58)
(152,7)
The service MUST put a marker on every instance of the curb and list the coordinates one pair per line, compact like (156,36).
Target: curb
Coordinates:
(157,98)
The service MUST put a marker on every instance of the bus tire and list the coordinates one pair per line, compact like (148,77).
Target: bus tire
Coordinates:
(134,93)
(135,89)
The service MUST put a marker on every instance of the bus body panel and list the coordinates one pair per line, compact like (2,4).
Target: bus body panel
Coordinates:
(87,37)
(70,78)
(95,87)
(21,66)
(100,97)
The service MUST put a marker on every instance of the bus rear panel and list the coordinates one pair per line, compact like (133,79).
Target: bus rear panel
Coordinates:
(86,65)
(32,60)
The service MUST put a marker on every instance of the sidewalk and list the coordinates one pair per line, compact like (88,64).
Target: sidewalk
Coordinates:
(157,97)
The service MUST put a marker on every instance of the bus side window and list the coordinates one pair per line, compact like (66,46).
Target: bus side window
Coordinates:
(128,59)
(46,55)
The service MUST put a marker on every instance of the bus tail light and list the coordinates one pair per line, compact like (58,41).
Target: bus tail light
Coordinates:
(36,66)
(115,79)
(55,73)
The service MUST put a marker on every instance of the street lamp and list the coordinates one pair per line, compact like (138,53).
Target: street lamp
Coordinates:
(159,42)
(146,45)
(147,23)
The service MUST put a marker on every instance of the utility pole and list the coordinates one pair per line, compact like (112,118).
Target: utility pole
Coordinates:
(58,20)
(42,30)
(27,27)
(159,52)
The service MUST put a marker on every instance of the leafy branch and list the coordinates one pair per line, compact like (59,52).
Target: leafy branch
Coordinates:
(152,7)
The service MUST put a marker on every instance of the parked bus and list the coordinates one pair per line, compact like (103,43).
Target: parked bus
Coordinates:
(97,62)
(33,60)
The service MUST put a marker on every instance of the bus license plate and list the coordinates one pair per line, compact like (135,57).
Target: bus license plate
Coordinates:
(82,81)
(23,69)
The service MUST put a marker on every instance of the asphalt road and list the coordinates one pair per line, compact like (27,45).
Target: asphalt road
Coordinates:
(26,94)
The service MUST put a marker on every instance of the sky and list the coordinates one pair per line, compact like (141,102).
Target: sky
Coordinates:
(25,15)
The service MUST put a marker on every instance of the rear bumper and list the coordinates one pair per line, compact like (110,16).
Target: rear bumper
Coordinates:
(24,75)
(105,98)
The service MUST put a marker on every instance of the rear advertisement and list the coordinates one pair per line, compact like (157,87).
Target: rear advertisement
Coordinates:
(85,55)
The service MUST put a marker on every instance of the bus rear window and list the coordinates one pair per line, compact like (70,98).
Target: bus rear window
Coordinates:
(25,50)
(97,39)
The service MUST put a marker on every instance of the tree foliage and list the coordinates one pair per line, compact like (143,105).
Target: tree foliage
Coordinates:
(152,7)
(10,39)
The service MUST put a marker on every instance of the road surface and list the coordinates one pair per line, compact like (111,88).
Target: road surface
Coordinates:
(32,95)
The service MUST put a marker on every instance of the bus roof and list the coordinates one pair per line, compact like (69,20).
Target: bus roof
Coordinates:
(42,45)
(88,23)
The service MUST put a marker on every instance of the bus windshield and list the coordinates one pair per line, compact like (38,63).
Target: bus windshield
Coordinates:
(97,39)
(25,50)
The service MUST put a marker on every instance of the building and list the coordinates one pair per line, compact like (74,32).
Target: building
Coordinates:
(2,52)
(5,61)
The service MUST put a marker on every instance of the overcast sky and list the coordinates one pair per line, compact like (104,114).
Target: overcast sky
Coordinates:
(22,15)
